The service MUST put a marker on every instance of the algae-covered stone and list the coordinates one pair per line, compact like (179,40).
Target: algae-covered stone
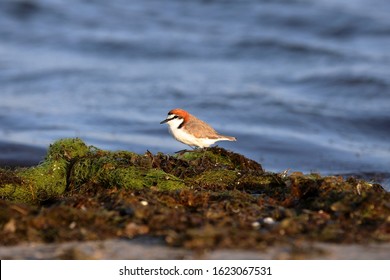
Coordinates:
(220,179)
(47,180)
(122,170)
(203,199)
(162,180)
(37,183)
(67,149)
(110,173)
(219,157)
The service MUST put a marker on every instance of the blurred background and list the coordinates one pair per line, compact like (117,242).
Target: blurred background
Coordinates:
(302,84)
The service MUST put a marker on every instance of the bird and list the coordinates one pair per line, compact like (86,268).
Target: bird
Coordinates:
(190,130)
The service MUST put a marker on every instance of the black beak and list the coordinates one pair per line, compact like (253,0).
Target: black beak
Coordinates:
(167,120)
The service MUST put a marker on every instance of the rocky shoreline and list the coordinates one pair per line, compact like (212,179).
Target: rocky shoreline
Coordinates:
(198,204)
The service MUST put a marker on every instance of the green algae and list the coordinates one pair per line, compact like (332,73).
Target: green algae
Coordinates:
(162,180)
(48,179)
(119,170)
(68,149)
(205,155)
(200,200)
(218,179)
(70,164)
(38,183)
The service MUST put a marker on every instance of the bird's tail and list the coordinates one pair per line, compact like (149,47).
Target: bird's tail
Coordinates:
(228,138)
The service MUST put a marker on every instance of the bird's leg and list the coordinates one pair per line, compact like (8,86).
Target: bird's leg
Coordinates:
(187,151)
(204,150)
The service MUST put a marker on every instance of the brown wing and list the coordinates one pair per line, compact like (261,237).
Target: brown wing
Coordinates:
(201,129)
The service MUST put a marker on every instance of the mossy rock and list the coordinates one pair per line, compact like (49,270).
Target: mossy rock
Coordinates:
(162,180)
(67,149)
(216,179)
(216,157)
(37,183)
(70,164)
(122,170)
(48,179)
(199,200)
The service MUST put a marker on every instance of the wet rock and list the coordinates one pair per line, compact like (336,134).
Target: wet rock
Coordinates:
(196,200)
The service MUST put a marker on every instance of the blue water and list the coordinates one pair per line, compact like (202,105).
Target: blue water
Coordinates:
(302,84)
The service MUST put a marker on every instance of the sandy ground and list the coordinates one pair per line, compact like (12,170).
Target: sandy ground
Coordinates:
(154,249)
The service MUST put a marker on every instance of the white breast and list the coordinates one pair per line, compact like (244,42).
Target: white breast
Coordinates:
(180,134)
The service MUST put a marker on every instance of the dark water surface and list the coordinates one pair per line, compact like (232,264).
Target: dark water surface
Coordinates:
(302,84)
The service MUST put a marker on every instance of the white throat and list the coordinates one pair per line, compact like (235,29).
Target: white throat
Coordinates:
(174,123)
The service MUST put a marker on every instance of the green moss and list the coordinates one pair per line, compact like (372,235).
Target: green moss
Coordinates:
(220,179)
(38,183)
(132,177)
(162,180)
(71,162)
(122,170)
(216,157)
(128,178)
(68,148)
(49,179)
(94,169)
(205,156)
